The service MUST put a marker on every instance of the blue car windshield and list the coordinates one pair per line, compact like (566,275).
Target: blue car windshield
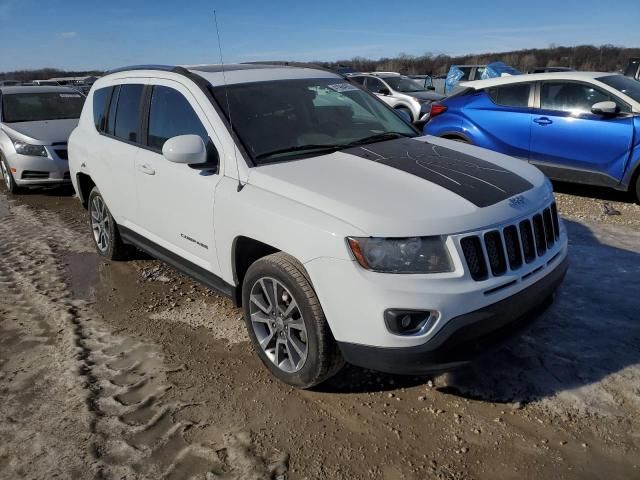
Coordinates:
(626,85)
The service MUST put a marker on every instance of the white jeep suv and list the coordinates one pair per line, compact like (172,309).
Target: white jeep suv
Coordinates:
(341,233)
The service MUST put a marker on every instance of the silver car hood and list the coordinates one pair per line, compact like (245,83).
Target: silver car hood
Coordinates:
(46,132)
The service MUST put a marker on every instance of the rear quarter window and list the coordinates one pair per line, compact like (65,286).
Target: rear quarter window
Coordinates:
(100,107)
(511,95)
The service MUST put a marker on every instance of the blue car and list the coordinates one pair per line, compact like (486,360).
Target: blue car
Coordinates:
(575,126)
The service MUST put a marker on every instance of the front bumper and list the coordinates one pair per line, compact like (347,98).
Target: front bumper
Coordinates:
(31,170)
(464,337)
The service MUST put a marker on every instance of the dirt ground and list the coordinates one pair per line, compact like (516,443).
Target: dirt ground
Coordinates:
(114,370)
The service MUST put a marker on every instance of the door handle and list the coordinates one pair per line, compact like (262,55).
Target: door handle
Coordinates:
(146,169)
(543,121)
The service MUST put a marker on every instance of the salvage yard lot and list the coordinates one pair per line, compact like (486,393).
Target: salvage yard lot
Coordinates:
(132,370)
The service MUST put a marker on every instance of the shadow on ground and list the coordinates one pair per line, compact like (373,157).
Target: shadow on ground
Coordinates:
(590,333)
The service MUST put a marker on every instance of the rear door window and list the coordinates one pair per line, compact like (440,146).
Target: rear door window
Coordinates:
(171,115)
(511,95)
(374,85)
(127,118)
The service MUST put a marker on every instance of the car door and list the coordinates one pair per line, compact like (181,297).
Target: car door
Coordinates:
(176,201)
(117,148)
(501,118)
(568,142)
(375,86)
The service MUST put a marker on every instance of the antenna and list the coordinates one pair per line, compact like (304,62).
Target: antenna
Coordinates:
(226,94)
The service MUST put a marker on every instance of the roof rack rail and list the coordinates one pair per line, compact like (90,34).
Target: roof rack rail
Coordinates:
(164,68)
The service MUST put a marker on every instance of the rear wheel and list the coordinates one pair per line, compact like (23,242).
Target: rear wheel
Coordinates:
(104,228)
(407,111)
(7,176)
(286,323)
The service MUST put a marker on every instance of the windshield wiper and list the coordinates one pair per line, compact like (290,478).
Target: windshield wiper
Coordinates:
(379,137)
(300,148)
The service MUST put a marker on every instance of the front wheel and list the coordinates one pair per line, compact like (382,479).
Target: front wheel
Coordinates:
(637,188)
(286,323)
(104,228)
(7,176)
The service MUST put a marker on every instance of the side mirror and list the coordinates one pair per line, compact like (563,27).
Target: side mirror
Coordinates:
(384,91)
(186,149)
(605,108)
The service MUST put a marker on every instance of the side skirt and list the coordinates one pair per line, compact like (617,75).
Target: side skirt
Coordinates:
(196,272)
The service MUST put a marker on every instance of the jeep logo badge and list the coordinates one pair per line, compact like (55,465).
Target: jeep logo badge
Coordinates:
(519,201)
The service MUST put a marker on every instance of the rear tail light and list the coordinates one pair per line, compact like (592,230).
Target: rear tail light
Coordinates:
(437,108)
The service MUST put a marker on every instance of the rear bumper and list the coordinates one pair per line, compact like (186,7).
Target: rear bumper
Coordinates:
(464,337)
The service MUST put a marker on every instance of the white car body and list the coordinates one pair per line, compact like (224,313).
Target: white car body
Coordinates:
(308,208)
(52,166)
(417,105)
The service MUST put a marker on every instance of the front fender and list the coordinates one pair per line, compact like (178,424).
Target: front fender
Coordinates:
(289,226)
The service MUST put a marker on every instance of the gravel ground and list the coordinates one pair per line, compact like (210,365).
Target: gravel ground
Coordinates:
(149,375)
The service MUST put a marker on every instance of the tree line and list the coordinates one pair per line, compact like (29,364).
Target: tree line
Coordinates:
(604,58)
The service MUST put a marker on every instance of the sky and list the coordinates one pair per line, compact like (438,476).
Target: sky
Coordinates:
(91,34)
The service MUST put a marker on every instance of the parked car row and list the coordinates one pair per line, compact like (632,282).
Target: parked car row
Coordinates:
(575,126)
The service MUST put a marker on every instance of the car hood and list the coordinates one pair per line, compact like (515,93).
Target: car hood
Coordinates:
(428,95)
(410,187)
(45,132)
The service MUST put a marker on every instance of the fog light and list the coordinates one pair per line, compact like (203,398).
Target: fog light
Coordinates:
(408,322)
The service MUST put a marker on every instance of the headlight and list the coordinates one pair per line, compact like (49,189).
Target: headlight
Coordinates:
(28,149)
(402,255)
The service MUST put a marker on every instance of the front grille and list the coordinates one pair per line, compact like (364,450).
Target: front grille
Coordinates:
(514,245)
(62,153)
(34,175)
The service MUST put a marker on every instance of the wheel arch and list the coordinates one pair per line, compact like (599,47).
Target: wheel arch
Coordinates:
(85,185)
(245,251)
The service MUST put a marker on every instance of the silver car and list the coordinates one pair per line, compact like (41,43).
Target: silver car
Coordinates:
(35,123)
(400,93)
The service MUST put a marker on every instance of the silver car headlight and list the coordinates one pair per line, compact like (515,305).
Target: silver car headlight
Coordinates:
(28,149)
(402,255)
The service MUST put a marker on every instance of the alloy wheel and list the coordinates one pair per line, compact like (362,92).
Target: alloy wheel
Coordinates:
(5,175)
(100,223)
(278,325)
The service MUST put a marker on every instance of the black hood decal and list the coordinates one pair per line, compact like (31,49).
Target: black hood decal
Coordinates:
(478,181)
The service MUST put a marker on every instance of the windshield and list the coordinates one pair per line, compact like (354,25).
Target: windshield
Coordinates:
(404,84)
(626,85)
(285,119)
(35,107)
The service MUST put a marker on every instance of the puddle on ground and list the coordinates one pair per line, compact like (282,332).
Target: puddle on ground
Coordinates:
(83,271)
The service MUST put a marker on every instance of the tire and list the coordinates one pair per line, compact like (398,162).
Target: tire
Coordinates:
(297,347)
(104,229)
(7,177)
(636,189)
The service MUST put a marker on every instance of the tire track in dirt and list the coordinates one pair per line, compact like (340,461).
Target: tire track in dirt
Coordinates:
(119,383)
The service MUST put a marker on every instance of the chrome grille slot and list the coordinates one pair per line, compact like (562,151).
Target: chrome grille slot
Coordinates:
(473,254)
(512,246)
(548,227)
(556,222)
(495,253)
(528,245)
(538,234)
